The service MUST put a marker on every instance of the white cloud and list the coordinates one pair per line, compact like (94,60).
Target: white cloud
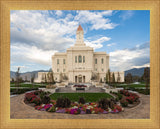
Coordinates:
(127,14)
(59,13)
(122,60)
(33,27)
(97,43)
(96,19)
(25,53)
(141,66)
(111,44)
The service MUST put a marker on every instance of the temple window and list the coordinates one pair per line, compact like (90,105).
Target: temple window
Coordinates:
(75,59)
(96,61)
(83,59)
(80,59)
(102,60)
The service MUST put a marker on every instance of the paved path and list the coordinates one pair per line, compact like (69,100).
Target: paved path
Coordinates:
(19,110)
(91,89)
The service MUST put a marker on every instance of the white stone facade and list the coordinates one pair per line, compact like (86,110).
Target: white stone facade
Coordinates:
(80,62)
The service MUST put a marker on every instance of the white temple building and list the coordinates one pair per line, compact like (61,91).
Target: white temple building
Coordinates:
(80,64)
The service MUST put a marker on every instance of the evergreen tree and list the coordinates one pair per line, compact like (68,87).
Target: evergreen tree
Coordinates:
(45,78)
(109,76)
(106,77)
(146,77)
(32,79)
(113,77)
(118,77)
(17,74)
(128,78)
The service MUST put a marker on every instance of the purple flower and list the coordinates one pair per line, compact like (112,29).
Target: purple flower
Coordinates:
(43,109)
(105,112)
(83,112)
(61,111)
(72,111)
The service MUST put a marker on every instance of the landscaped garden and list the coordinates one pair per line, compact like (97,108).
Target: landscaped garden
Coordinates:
(89,97)
(80,103)
(22,88)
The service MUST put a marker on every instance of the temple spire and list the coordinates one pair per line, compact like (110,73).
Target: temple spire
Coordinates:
(79,36)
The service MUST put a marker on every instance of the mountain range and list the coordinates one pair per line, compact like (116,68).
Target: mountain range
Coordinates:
(135,72)
(27,75)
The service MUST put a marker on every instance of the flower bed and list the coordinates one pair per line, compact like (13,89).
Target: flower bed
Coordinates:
(130,97)
(88,108)
(104,106)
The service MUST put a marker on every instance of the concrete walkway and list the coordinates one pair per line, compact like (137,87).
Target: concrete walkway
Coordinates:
(19,110)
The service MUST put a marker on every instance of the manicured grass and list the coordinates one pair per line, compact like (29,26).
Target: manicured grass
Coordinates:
(89,97)
(132,85)
(28,85)
(20,91)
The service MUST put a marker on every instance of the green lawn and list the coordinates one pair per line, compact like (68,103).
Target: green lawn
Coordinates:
(28,85)
(89,97)
(132,85)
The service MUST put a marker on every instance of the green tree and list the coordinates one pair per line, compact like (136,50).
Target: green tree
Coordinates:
(25,78)
(107,78)
(50,77)
(17,74)
(45,78)
(32,79)
(60,77)
(113,78)
(128,78)
(146,77)
(12,80)
(118,77)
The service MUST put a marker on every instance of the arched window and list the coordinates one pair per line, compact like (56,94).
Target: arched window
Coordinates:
(83,59)
(64,61)
(96,61)
(80,59)
(102,60)
(75,59)
(57,61)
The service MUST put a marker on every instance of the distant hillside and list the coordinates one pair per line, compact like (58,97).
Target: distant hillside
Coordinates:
(27,74)
(135,72)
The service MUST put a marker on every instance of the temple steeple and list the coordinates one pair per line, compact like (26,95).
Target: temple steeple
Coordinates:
(79,36)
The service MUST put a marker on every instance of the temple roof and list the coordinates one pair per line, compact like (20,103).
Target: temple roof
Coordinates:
(80,28)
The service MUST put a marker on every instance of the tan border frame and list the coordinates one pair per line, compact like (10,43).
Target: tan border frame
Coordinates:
(7,5)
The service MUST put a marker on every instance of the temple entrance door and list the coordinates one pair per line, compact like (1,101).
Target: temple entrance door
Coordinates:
(76,79)
(84,79)
(80,79)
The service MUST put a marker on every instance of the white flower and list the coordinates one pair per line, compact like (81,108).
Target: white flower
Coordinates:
(74,107)
(109,110)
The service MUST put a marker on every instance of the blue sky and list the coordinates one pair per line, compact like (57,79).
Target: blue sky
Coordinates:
(37,35)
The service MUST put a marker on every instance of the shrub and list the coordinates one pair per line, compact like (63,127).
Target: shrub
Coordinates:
(66,103)
(46,99)
(29,96)
(51,109)
(111,103)
(81,100)
(103,103)
(36,101)
(130,99)
(124,103)
(63,102)
(59,102)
